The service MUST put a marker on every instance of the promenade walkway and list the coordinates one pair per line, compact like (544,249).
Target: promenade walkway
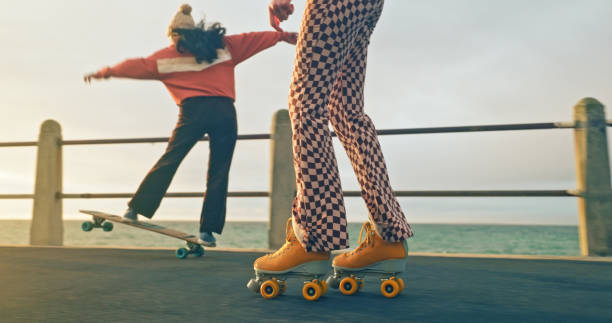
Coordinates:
(146,285)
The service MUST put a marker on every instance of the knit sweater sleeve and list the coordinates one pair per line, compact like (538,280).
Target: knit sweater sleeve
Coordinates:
(243,46)
(144,68)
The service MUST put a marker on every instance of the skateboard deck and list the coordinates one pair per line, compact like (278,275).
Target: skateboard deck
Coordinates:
(99,218)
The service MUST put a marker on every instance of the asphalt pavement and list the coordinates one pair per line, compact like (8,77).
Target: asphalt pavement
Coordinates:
(134,285)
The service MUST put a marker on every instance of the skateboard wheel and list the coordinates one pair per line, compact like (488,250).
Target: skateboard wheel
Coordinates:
(389,288)
(349,286)
(311,291)
(87,226)
(400,282)
(198,251)
(333,282)
(269,289)
(182,253)
(253,285)
(107,227)
(283,287)
(323,285)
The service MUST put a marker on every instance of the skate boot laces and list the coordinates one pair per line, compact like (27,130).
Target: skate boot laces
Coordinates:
(369,238)
(290,241)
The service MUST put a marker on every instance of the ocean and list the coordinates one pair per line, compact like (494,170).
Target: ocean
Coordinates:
(438,238)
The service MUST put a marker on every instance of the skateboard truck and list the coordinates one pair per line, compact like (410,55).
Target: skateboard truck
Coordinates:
(192,248)
(97,223)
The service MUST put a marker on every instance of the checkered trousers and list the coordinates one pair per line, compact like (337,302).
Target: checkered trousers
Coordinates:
(327,85)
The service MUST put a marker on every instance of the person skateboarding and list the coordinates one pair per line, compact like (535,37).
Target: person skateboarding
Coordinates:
(327,86)
(198,72)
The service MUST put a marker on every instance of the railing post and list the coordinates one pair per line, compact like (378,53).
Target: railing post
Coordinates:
(593,176)
(47,226)
(282,181)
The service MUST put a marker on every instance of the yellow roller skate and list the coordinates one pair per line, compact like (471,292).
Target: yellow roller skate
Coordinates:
(373,256)
(291,260)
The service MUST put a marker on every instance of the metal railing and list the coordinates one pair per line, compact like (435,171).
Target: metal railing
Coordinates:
(586,119)
(384,132)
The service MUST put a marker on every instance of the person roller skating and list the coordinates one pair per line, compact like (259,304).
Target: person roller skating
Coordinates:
(327,86)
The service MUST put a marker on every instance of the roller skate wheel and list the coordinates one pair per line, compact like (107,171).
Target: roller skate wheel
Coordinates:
(283,287)
(389,288)
(349,286)
(311,291)
(253,285)
(269,289)
(400,282)
(333,282)
(323,286)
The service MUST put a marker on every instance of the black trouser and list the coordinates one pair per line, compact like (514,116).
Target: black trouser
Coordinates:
(215,116)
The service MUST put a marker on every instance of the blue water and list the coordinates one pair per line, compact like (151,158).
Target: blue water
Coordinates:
(439,238)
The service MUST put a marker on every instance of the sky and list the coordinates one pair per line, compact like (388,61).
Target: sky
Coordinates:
(431,63)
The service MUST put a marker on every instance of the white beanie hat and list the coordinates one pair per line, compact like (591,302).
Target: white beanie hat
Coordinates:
(182,19)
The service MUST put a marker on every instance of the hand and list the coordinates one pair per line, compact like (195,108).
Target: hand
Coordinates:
(279,10)
(96,76)
(290,38)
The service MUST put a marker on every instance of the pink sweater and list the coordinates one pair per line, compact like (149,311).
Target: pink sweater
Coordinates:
(185,78)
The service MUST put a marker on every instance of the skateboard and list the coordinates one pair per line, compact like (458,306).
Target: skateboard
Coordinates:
(100,220)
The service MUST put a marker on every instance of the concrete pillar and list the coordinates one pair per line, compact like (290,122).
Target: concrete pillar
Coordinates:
(47,226)
(593,176)
(282,181)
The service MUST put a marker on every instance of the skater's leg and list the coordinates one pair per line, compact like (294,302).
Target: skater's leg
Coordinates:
(186,134)
(358,136)
(319,219)
(384,247)
(318,222)
(223,136)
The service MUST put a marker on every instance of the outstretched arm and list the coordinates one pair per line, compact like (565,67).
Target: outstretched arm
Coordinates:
(279,10)
(136,68)
(245,45)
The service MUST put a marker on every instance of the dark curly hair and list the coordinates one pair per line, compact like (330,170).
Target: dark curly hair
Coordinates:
(202,42)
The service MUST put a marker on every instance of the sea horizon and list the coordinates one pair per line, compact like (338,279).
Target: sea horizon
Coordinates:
(479,238)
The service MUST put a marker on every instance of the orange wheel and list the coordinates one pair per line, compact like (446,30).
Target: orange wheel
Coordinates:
(389,288)
(311,291)
(323,285)
(400,282)
(269,289)
(349,286)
